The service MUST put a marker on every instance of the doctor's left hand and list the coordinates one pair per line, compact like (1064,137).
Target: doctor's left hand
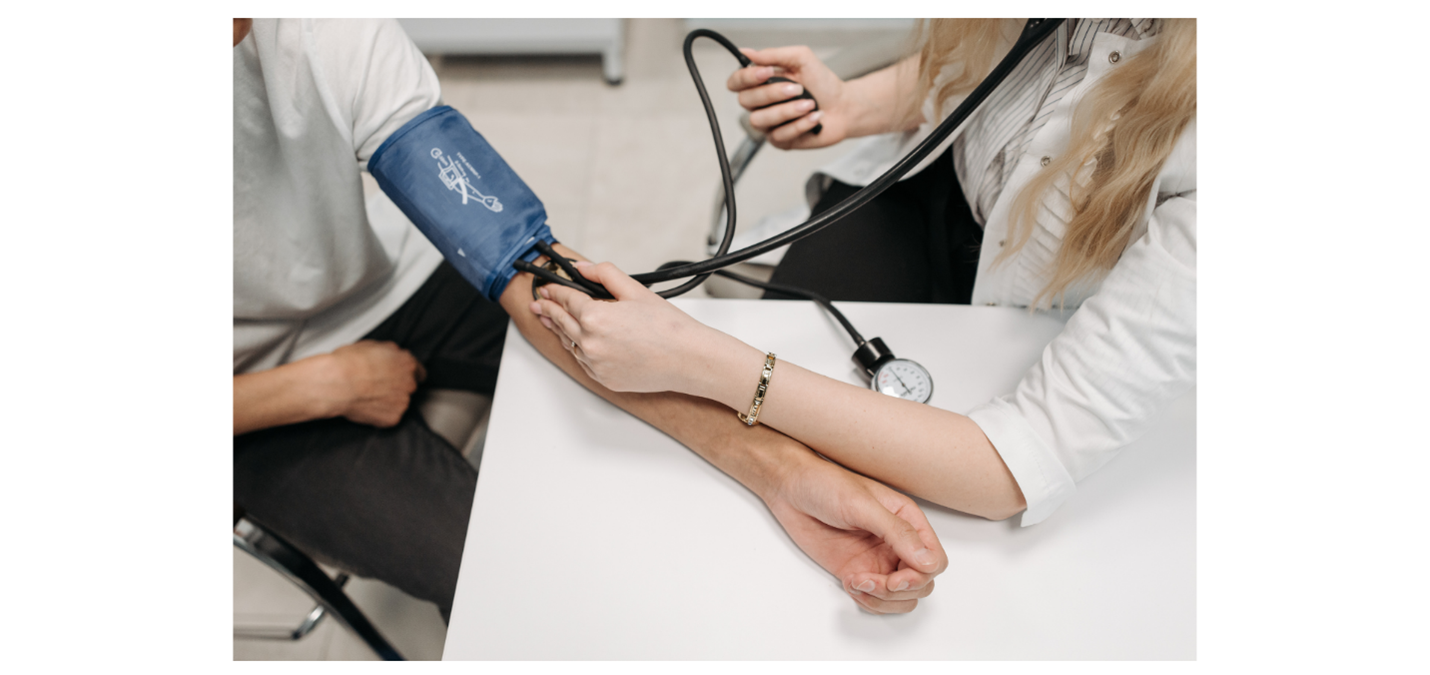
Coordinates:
(641,343)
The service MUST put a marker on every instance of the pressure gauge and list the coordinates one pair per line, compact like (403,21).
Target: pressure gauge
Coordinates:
(897,377)
(904,379)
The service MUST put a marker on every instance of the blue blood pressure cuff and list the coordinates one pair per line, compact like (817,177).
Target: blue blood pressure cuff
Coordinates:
(463,196)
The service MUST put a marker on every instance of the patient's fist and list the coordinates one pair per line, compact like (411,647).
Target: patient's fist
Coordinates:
(374,382)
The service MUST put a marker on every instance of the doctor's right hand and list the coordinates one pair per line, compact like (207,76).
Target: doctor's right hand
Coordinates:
(797,116)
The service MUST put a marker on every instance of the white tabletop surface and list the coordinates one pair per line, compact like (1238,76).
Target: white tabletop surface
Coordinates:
(595,536)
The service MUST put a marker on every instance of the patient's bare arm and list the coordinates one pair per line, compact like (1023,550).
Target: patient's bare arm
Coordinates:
(368,382)
(873,539)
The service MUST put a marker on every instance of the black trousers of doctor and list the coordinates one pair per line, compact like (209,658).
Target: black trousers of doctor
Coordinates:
(915,242)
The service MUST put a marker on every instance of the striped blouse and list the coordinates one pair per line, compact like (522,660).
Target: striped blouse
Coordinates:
(1003,127)
(1129,347)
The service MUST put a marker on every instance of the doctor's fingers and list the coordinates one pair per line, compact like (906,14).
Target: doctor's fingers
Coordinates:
(788,58)
(570,299)
(563,322)
(571,347)
(620,284)
(769,94)
(752,75)
(768,118)
(792,135)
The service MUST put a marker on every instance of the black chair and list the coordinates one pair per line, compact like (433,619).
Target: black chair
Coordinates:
(300,569)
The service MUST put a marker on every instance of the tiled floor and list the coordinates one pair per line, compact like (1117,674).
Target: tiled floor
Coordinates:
(628,174)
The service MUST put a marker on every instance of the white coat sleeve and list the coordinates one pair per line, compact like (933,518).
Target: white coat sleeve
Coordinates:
(1128,350)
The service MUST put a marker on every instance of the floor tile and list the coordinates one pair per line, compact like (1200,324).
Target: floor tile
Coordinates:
(313,647)
(260,592)
(413,626)
(549,85)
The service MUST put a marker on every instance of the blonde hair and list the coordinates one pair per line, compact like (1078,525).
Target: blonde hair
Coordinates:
(1122,132)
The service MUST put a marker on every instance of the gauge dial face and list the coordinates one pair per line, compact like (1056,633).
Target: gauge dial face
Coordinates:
(904,379)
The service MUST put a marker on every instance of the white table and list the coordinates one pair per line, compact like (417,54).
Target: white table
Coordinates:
(595,536)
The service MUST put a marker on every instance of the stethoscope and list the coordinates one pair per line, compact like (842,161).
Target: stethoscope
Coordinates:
(898,377)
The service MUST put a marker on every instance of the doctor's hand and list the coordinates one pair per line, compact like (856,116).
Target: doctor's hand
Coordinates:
(800,65)
(640,343)
(874,540)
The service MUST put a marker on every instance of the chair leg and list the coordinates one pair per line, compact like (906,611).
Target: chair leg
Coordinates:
(282,556)
(310,622)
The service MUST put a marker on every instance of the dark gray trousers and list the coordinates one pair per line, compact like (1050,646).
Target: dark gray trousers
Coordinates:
(389,504)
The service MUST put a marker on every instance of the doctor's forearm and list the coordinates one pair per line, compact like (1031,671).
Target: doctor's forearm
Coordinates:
(935,454)
(883,101)
(756,457)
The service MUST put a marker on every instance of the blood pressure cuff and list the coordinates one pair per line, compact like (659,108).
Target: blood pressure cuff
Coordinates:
(463,196)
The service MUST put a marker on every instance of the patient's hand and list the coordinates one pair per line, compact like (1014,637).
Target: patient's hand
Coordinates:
(371,382)
(871,538)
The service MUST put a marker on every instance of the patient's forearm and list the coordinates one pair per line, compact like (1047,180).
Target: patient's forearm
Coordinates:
(279,396)
(754,456)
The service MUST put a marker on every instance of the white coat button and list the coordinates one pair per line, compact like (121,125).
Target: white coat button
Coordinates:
(1045,161)
(1114,57)
(992,304)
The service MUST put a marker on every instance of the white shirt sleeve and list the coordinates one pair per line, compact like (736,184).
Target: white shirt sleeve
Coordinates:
(1128,350)
(380,80)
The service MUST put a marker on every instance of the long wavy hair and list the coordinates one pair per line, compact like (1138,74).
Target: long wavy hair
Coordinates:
(1122,132)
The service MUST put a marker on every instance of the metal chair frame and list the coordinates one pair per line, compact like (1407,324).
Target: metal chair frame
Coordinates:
(300,569)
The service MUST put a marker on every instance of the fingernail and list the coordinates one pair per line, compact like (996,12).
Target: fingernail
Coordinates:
(902,585)
(792,89)
(536,308)
(867,586)
(544,293)
(925,557)
(814,116)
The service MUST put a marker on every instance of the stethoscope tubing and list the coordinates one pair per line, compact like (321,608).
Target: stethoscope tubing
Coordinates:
(1033,33)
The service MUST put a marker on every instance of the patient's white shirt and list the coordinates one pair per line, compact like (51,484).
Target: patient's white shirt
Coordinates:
(318,262)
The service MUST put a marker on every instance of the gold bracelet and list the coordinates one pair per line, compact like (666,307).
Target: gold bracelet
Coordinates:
(754,415)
